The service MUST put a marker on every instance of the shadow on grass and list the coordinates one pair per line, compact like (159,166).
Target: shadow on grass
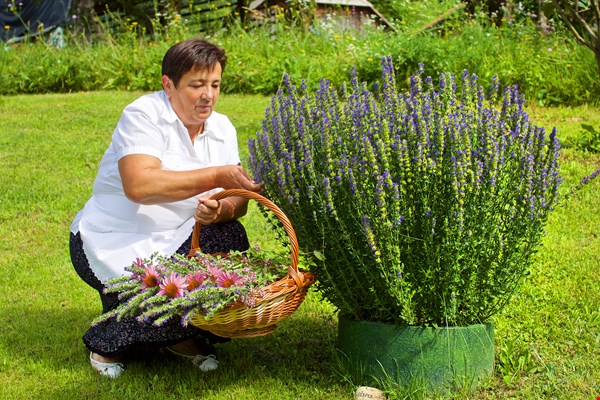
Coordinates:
(295,360)
(305,343)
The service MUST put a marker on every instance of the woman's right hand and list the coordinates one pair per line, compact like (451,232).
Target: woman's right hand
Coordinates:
(235,177)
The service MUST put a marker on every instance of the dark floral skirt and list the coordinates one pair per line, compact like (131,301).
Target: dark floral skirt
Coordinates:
(112,337)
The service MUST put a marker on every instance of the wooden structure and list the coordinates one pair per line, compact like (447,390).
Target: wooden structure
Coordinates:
(352,13)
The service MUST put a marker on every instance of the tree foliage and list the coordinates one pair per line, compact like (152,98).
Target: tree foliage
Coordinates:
(582,18)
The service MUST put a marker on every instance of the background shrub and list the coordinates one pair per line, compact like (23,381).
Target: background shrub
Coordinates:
(549,67)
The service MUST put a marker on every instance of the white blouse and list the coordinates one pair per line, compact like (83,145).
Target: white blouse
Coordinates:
(115,231)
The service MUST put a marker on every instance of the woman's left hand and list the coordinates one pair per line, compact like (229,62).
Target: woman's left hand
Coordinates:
(208,211)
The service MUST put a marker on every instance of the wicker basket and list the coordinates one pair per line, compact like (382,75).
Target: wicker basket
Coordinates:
(278,300)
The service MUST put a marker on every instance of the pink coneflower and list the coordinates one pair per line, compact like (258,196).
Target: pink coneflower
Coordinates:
(138,263)
(150,277)
(195,280)
(227,279)
(172,286)
(213,273)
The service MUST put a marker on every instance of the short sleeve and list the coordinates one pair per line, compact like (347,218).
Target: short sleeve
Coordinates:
(138,131)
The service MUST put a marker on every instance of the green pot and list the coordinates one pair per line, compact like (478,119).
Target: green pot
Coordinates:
(437,358)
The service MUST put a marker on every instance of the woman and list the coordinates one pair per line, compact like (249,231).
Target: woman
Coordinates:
(169,152)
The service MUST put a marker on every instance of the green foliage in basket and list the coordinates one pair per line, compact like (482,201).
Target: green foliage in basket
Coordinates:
(160,287)
(427,204)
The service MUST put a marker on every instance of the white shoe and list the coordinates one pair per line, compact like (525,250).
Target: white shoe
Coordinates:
(111,370)
(205,363)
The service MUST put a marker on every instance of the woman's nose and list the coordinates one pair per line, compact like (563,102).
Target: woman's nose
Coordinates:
(207,94)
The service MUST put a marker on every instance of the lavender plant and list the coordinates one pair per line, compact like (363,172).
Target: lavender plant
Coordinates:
(427,204)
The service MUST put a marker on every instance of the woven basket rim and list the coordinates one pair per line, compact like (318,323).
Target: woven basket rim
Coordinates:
(279,299)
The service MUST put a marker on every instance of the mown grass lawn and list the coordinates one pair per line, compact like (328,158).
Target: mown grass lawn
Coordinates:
(547,339)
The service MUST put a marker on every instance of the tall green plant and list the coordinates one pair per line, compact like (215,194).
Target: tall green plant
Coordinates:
(427,204)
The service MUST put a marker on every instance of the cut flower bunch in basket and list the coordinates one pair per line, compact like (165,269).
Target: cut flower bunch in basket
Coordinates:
(161,287)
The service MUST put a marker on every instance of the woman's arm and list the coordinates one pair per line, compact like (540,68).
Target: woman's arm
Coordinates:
(145,182)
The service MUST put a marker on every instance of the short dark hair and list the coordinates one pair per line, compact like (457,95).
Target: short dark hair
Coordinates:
(191,54)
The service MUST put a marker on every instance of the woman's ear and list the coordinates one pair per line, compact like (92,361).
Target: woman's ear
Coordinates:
(167,84)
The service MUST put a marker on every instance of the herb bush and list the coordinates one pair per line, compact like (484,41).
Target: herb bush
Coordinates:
(427,204)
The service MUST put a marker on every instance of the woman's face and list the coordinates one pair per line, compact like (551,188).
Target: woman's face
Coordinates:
(195,96)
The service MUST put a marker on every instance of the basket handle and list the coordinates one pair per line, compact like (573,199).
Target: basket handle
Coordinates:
(287,225)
